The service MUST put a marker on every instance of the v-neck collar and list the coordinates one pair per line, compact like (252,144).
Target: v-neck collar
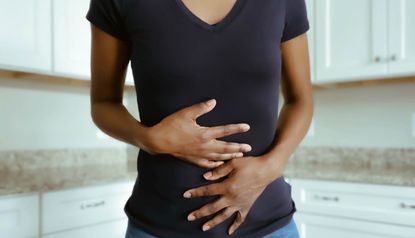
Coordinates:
(233,12)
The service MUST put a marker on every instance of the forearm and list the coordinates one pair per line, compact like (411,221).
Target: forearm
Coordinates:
(115,120)
(293,123)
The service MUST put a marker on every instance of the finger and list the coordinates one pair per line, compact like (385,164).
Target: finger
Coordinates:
(221,157)
(207,190)
(223,215)
(238,221)
(218,172)
(224,147)
(209,164)
(207,209)
(224,130)
(198,109)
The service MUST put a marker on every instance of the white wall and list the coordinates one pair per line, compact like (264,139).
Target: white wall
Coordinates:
(41,115)
(369,116)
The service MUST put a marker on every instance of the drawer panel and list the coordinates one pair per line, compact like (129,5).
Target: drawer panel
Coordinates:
(19,215)
(84,206)
(321,226)
(384,203)
(113,229)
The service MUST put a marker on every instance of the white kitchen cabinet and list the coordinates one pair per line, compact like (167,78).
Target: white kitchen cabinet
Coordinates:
(401,37)
(318,226)
(351,39)
(364,39)
(83,207)
(72,40)
(25,35)
(346,209)
(19,216)
(113,229)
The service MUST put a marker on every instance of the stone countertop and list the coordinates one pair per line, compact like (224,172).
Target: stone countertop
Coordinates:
(387,166)
(50,179)
(49,171)
(395,176)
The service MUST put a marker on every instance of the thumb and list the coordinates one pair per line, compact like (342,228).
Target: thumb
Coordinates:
(201,108)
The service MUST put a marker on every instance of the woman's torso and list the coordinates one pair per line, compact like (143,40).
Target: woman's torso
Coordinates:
(178,61)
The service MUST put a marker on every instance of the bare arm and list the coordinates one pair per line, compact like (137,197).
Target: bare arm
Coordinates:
(109,61)
(296,113)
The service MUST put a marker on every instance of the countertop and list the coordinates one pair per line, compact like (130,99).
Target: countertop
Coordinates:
(34,171)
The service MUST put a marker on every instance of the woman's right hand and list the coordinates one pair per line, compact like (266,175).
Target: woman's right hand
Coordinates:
(179,135)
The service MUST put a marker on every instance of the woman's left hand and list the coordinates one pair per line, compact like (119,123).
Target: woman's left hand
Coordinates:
(247,179)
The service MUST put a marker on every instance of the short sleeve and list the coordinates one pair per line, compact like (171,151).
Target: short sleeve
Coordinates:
(107,15)
(296,20)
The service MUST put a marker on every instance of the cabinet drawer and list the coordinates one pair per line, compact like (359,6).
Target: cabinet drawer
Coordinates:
(113,229)
(84,206)
(318,226)
(19,216)
(383,203)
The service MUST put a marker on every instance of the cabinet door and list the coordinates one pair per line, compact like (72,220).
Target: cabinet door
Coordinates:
(72,40)
(317,226)
(351,39)
(113,229)
(25,35)
(401,37)
(78,207)
(373,202)
(19,216)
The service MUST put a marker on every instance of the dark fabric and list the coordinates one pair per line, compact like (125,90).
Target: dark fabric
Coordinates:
(179,60)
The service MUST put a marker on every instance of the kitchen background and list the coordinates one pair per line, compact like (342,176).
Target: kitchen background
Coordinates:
(353,175)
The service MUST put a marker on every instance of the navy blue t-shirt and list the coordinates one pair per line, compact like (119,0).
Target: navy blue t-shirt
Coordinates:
(178,60)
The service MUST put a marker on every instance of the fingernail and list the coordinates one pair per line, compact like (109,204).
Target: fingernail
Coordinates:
(208,174)
(219,163)
(210,102)
(246,126)
(205,228)
(187,194)
(248,148)
(191,217)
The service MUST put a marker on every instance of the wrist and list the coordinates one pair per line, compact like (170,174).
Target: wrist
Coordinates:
(273,166)
(144,138)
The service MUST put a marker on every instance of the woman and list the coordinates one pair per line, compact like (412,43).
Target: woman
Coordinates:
(207,76)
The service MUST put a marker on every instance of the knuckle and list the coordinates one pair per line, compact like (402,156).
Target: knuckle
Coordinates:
(227,129)
(230,189)
(210,208)
(204,134)
(211,155)
(225,156)
(227,146)
(205,192)
(236,155)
